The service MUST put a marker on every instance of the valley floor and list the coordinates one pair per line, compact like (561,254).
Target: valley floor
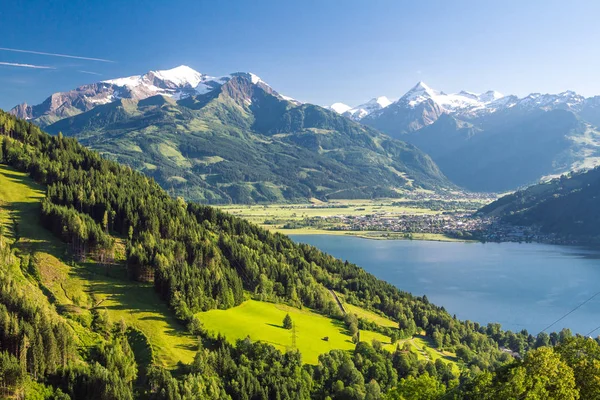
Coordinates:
(420,217)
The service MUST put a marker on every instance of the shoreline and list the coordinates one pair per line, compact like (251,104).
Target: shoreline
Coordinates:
(373,235)
(428,237)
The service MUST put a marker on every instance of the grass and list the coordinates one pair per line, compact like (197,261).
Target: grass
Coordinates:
(76,288)
(370,316)
(139,306)
(264,321)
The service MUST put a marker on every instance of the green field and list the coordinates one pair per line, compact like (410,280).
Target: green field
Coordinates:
(370,316)
(76,288)
(297,212)
(263,321)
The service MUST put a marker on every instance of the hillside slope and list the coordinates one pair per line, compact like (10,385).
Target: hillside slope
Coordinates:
(567,206)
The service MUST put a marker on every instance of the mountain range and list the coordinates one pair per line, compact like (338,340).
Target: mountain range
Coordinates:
(233,139)
(492,142)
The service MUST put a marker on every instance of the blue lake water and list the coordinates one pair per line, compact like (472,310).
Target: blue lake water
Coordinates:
(521,286)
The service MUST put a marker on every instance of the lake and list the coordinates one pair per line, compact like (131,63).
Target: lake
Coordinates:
(522,286)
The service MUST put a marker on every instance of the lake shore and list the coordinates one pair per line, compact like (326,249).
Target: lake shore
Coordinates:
(372,235)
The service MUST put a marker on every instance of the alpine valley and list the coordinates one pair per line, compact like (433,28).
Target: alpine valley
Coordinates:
(233,139)
(491,142)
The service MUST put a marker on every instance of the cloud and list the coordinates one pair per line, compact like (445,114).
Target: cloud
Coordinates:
(25,65)
(55,54)
(89,72)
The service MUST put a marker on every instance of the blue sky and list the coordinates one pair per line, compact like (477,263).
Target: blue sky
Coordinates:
(316,51)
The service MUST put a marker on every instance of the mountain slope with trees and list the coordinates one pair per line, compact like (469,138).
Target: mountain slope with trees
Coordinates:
(567,206)
(199,258)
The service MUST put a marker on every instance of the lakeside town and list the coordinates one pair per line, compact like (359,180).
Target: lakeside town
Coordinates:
(458,225)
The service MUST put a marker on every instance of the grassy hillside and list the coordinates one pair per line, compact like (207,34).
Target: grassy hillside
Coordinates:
(263,321)
(76,288)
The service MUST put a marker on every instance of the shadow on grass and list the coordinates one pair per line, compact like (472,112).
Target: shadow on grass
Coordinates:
(275,325)
(188,346)
(20,178)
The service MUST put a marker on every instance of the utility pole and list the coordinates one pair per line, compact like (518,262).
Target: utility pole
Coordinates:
(293,335)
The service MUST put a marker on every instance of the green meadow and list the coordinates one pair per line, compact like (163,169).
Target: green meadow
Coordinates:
(264,321)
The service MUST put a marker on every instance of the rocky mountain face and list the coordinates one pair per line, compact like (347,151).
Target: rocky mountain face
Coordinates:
(178,83)
(491,142)
(236,139)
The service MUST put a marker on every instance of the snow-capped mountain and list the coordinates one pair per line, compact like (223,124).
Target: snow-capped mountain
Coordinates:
(465,103)
(450,102)
(178,83)
(490,142)
(339,108)
(420,93)
(359,112)
(423,105)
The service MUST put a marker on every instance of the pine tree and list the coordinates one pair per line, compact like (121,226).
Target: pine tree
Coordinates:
(287,322)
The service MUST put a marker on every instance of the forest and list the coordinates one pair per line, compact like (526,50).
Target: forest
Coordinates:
(199,258)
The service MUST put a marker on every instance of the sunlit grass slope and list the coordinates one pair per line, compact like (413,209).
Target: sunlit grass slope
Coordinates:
(76,289)
(264,321)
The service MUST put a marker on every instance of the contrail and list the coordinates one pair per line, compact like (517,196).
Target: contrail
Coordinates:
(55,54)
(88,72)
(25,65)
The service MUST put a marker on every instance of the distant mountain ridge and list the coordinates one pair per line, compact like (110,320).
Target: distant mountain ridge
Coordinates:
(492,142)
(178,83)
(235,139)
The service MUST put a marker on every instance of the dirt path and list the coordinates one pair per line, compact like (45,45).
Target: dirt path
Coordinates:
(337,299)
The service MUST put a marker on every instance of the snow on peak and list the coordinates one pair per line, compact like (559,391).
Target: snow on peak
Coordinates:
(418,94)
(468,94)
(181,76)
(490,96)
(340,108)
(249,75)
(462,100)
(382,101)
(568,100)
(375,104)
(255,79)
(421,86)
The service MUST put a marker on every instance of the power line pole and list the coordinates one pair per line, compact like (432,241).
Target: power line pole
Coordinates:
(293,335)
